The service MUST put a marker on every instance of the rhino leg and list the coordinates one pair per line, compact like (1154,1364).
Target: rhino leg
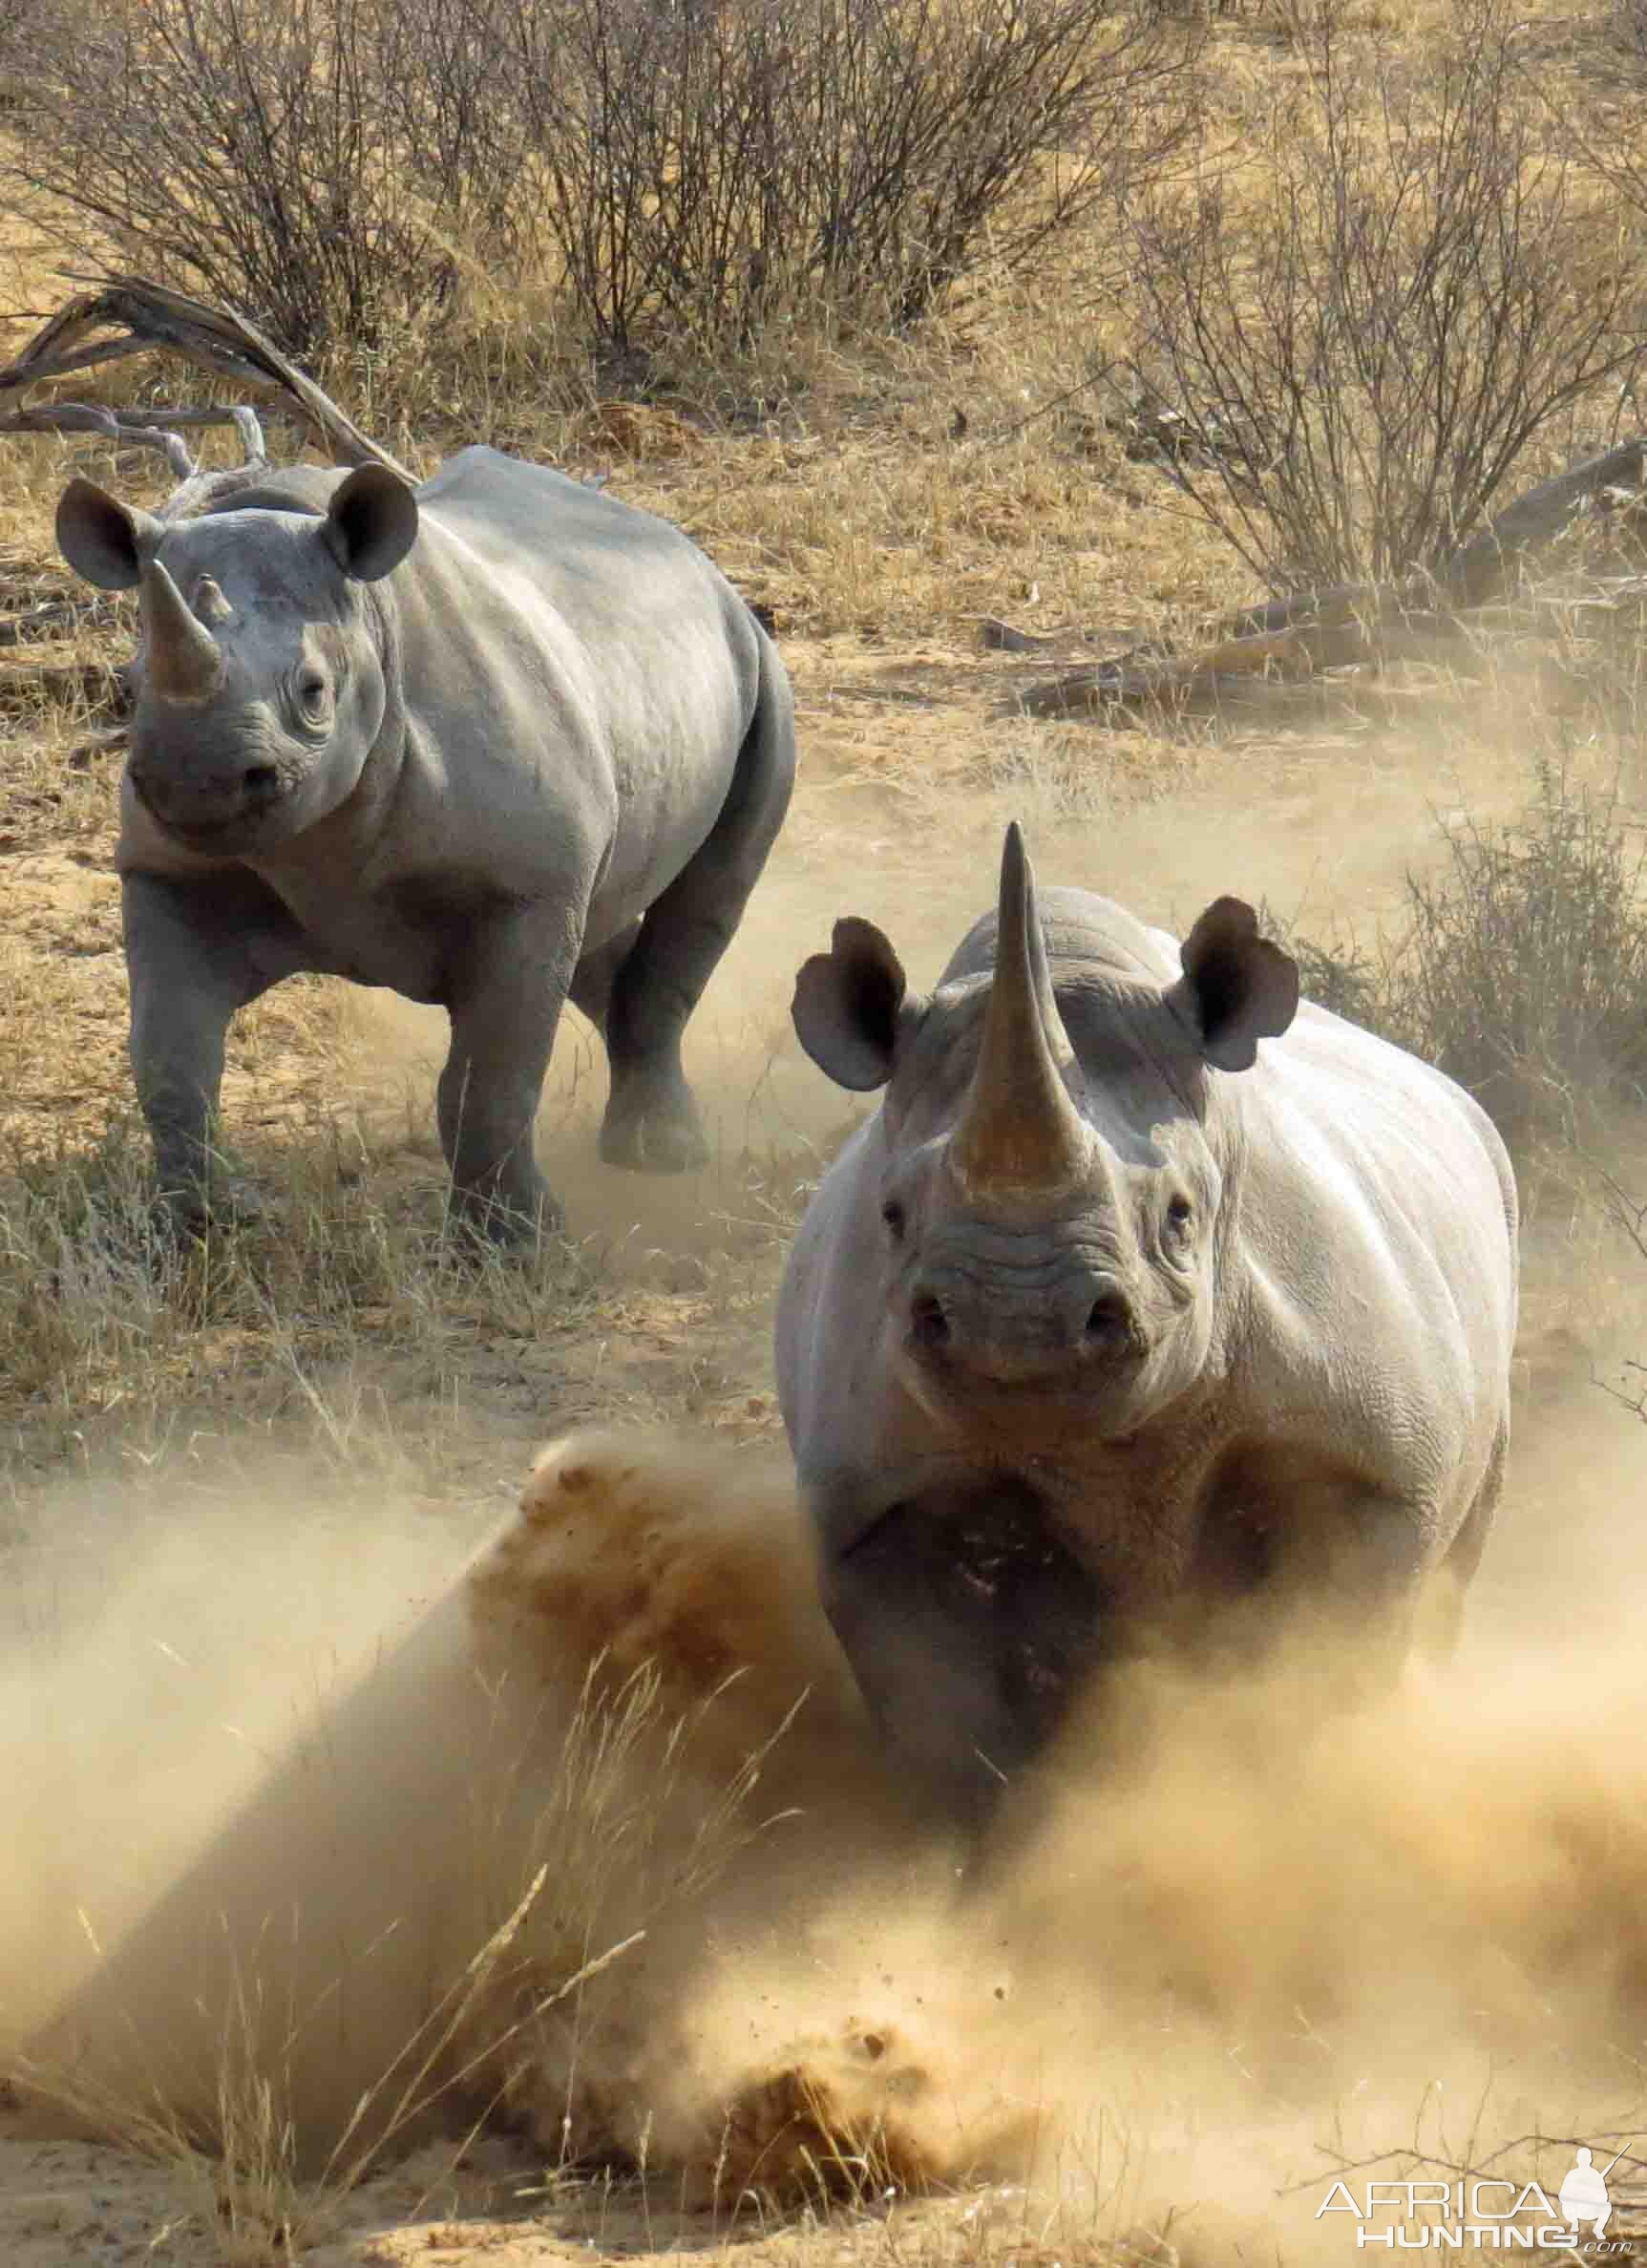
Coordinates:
(592,981)
(196,950)
(970,1629)
(505,1002)
(1441,1620)
(652,1123)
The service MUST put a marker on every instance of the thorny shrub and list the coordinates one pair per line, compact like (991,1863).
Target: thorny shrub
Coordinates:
(708,163)
(331,166)
(1521,967)
(1367,319)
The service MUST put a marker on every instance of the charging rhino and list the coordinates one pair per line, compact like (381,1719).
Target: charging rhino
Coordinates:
(1147,1291)
(495,742)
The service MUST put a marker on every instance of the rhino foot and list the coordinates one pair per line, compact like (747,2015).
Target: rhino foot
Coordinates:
(660,1135)
(190,1210)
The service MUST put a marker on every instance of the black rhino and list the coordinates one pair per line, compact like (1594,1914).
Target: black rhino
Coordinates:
(1147,1290)
(495,742)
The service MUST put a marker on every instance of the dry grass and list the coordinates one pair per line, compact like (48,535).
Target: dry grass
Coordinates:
(596,1810)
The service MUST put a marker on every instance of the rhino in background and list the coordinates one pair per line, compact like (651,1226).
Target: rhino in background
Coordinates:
(497,742)
(1148,1290)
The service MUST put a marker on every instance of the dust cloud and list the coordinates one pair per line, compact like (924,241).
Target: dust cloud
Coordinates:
(1228,1937)
(173,1654)
(575,1818)
(1209,1950)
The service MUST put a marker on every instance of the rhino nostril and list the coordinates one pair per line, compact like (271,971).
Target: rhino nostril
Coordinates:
(260,779)
(1110,1319)
(927,1320)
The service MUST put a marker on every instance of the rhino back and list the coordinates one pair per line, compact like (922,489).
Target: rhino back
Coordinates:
(631,668)
(609,569)
(1082,931)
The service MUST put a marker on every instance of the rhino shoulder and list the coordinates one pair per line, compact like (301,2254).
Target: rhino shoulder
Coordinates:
(485,478)
(1379,1212)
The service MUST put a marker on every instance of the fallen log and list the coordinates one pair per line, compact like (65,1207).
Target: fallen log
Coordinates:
(54,615)
(89,751)
(1344,624)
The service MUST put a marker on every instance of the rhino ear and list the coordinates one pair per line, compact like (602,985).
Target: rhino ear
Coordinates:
(850,1006)
(103,540)
(1237,988)
(372,523)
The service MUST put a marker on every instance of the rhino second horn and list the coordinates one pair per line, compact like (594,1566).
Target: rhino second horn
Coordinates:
(180,657)
(209,602)
(1020,1133)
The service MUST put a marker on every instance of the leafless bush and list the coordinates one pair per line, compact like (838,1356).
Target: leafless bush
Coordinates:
(1521,969)
(1366,329)
(306,163)
(690,163)
(456,126)
(707,161)
(1630,16)
(1525,973)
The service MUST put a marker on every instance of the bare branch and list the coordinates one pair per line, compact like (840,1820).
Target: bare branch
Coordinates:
(114,425)
(54,615)
(216,339)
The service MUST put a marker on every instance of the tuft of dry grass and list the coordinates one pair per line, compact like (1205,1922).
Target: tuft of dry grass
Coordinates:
(1520,965)
(595,1844)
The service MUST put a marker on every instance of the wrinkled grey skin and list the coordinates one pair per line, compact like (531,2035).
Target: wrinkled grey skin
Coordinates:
(494,743)
(1149,1297)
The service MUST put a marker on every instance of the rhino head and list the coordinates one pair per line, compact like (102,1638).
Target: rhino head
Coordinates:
(1050,1211)
(260,690)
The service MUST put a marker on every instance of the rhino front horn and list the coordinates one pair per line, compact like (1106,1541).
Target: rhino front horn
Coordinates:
(1020,1133)
(180,657)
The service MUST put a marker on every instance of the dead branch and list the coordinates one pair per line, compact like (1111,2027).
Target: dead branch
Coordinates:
(110,742)
(144,317)
(116,424)
(53,615)
(1002,637)
(1347,624)
(142,428)
(97,686)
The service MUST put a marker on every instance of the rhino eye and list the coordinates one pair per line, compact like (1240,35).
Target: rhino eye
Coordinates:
(1180,1213)
(313,695)
(892,1214)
